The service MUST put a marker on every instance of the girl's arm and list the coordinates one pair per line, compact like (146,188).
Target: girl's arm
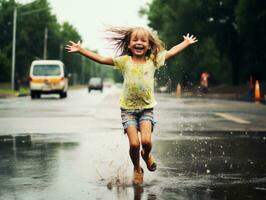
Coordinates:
(76,48)
(188,40)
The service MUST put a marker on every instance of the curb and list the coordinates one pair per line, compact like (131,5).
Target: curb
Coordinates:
(23,95)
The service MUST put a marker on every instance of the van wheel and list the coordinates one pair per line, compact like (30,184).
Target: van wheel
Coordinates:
(63,95)
(35,95)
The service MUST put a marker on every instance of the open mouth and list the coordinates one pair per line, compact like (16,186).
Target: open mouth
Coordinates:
(139,47)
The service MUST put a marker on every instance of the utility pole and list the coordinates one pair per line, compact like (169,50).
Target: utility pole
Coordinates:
(45,43)
(13,65)
(61,52)
(82,69)
(14,49)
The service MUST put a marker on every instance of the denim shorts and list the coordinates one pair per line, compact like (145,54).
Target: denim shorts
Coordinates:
(135,116)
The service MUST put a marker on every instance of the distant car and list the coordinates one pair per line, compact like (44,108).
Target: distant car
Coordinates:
(47,77)
(95,83)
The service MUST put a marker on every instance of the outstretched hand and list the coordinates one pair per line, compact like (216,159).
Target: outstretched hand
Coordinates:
(190,39)
(73,47)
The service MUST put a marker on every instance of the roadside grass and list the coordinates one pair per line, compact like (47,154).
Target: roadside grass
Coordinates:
(74,87)
(6,91)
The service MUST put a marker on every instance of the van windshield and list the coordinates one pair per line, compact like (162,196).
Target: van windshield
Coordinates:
(46,70)
(95,80)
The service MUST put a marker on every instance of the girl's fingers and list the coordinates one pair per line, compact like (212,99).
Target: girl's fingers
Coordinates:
(190,38)
(72,42)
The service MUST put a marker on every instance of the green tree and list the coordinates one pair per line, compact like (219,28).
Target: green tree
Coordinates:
(6,22)
(251,20)
(214,23)
(33,18)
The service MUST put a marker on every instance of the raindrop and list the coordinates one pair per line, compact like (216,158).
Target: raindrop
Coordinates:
(225,161)
(208,171)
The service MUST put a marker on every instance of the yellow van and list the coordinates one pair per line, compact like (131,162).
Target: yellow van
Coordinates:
(48,77)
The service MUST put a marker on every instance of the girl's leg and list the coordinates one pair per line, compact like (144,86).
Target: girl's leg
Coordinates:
(134,147)
(145,130)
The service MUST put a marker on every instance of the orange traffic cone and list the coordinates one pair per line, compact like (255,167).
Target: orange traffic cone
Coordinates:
(178,90)
(257,91)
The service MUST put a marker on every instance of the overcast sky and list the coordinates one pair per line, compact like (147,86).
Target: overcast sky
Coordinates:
(89,17)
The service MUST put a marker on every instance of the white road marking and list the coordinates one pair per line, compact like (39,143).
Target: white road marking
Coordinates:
(232,118)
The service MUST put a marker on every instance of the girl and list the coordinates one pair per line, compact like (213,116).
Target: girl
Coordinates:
(141,53)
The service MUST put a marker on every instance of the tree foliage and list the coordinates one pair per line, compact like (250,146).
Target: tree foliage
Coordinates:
(227,30)
(32,20)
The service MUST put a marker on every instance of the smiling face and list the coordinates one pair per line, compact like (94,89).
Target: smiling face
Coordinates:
(139,43)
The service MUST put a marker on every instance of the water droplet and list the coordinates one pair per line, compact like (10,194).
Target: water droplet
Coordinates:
(208,171)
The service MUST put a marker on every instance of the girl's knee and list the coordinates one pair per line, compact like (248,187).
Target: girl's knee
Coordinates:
(146,144)
(135,146)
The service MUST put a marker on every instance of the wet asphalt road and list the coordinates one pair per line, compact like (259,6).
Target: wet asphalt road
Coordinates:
(74,148)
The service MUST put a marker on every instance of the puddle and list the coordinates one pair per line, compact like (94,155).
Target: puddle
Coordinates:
(97,166)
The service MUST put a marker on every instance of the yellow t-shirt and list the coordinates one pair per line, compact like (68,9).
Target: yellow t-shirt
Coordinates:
(138,86)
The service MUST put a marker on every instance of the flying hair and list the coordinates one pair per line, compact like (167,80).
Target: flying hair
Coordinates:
(119,38)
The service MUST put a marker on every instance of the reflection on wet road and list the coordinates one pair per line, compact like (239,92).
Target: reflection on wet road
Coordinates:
(200,166)
(218,167)
(75,149)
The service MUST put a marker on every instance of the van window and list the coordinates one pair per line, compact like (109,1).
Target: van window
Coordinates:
(46,70)
(95,80)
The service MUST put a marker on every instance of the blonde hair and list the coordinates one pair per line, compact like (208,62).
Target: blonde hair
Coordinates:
(119,37)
